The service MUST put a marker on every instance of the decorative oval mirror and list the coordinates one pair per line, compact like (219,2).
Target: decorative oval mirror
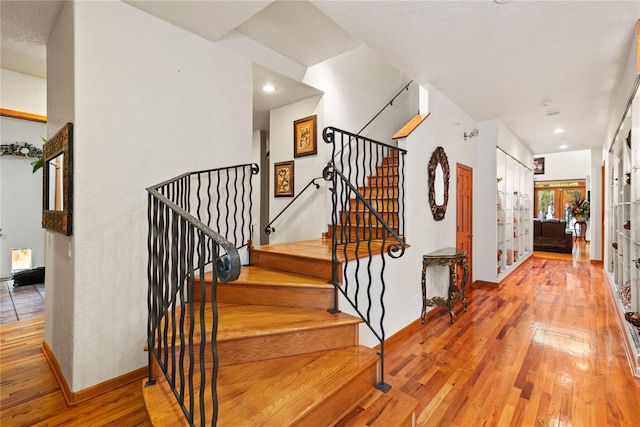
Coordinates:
(438,183)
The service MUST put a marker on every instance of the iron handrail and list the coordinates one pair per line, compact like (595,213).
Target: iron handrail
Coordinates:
(269,229)
(184,238)
(392,248)
(345,193)
(388,104)
(228,267)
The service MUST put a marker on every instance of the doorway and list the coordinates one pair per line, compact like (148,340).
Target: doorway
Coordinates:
(464,213)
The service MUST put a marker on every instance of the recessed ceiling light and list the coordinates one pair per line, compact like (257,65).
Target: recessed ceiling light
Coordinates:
(564,146)
(558,131)
(501,1)
(268,88)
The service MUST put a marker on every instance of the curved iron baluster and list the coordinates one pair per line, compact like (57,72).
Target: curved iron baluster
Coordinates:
(180,246)
(346,178)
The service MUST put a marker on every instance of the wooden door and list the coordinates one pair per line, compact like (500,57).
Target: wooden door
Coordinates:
(464,213)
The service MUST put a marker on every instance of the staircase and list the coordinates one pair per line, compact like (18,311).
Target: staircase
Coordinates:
(382,193)
(284,359)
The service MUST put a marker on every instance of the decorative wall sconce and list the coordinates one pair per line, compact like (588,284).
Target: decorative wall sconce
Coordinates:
(473,133)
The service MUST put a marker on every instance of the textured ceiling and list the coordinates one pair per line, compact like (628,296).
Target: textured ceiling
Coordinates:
(299,31)
(504,60)
(493,60)
(25,28)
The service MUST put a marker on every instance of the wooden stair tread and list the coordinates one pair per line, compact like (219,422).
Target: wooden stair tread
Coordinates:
(311,249)
(299,384)
(278,392)
(243,321)
(261,276)
(250,320)
(376,408)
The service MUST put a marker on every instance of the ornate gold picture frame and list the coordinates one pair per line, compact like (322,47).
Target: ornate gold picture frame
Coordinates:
(304,137)
(283,179)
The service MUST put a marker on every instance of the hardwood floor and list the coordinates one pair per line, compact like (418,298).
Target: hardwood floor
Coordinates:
(544,350)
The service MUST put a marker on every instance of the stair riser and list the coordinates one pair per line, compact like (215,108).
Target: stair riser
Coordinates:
(245,350)
(362,233)
(292,264)
(391,161)
(380,204)
(267,347)
(387,170)
(281,296)
(354,218)
(383,181)
(334,405)
(390,192)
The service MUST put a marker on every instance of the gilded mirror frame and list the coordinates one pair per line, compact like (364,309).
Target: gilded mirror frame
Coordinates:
(438,158)
(61,143)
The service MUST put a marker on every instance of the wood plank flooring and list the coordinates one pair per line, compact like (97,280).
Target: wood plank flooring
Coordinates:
(544,350)
(30,396)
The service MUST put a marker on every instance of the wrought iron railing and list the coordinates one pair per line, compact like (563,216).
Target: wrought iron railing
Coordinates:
(197,224)
(367,220)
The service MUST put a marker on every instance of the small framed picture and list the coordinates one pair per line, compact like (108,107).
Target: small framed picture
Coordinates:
(304,137)
(283,179)
(538,165)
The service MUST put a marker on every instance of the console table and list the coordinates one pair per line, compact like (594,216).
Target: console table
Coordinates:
(450,257)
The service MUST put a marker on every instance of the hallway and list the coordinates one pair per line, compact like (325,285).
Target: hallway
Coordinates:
(543,350)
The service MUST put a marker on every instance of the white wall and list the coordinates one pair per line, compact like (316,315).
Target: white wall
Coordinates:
(305,219)
(357,84)
(492,133)
(21,192)
(22,92)
(565,165)
(576,165)
(594,231)
(151,102)
(20,195)
(59,280)
(424,234)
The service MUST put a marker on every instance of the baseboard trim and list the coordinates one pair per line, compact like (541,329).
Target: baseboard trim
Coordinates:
(402,334)
(597,262)
(409,330)
(72,398)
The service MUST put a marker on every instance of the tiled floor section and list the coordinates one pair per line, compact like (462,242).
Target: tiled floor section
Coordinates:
(21,302)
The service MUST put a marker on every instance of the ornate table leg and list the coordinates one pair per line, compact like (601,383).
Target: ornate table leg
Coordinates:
(424,292)
(452,290)
(465,277)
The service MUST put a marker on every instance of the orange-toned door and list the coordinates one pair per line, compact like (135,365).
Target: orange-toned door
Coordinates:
(464,213)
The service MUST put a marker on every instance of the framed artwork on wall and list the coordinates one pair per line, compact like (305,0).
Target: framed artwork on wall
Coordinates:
(538,165)
(283,179)
(304,137)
